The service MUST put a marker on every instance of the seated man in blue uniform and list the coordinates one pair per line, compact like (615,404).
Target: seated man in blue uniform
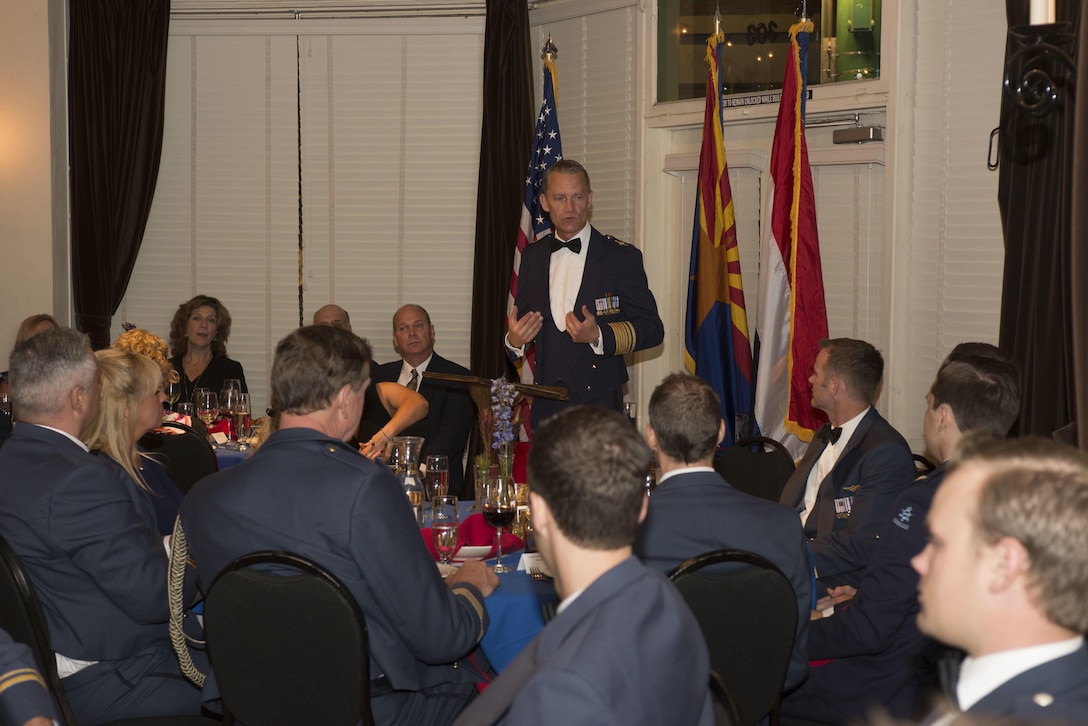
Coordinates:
(624,648)
(24,698)
(1003,578)
(854,468)
(693,510)
(450,410)
(877,650)
(88,541)
(582,298)
(308,492)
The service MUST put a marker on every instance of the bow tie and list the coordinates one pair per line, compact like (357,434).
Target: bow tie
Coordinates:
(574,245)
(831,434)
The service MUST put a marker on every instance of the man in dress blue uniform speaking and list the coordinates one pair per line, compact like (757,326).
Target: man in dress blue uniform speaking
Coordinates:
(583,298)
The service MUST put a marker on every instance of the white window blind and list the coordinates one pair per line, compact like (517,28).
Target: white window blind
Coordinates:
(390,146)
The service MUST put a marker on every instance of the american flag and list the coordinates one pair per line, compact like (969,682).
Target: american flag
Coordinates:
(535,222)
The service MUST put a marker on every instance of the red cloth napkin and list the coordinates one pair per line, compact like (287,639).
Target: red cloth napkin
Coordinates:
(220,426)
(475,532)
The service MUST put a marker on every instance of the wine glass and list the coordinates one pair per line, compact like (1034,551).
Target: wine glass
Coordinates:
(444,527)
(173,392)
(630,412)
(500,508)
(436,481)
(232,383)
(242,420)
(228,401)
(207,406)
(185,408)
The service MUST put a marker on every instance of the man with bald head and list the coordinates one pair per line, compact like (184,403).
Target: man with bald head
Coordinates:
(450,411)
(333,315)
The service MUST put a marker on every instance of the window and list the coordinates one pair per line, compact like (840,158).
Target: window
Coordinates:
(845,44)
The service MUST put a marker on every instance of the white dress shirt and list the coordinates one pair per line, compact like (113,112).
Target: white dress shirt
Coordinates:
(981,676)
(826,463)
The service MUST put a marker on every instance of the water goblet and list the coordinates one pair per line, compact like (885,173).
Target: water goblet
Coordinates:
(173,392)
(444,527)
(207,406)
(185,408)
(500,508)
(436,481)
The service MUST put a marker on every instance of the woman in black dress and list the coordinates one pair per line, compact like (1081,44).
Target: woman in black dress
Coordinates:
(198,342)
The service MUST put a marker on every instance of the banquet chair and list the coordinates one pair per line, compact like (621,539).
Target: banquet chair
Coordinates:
(747,611)
(757,465)
(287,643)
(21,616)
(725,706)
(187,456)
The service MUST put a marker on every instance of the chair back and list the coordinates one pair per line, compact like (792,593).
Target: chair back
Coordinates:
(725,706)
(747,611)
(186,456)
(287,643)
(757,465)
(21,615)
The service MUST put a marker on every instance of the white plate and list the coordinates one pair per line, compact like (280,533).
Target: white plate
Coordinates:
(471,553)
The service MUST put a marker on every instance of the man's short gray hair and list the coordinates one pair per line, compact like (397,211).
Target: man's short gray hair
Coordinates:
(46,367)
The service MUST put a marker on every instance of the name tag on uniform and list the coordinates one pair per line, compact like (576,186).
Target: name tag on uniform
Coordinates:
(843,506)
(608,305)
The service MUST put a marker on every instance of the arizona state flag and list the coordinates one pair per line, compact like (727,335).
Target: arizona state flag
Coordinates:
(792,315)
(717,348)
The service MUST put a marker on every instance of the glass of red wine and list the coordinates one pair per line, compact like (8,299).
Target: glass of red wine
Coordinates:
(500,508)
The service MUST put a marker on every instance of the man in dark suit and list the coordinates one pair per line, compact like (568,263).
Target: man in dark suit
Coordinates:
(88,542)
(24,699)
(1003,578)
(306,491)
(583,298)
(624,648)
(855,467)
(450,410)
(879,657)
(693,510)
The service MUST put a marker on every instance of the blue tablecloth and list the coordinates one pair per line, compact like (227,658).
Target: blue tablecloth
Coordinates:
(516,614)
(229,457)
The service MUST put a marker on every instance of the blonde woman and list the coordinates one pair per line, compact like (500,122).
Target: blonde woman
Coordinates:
(147,343)
(131,405)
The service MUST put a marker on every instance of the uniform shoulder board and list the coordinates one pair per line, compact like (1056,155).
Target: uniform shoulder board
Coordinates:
(617,240)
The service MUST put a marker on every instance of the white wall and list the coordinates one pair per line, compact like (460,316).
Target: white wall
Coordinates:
(26,194)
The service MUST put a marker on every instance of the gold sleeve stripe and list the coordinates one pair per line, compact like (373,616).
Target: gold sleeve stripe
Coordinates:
(21,675)
(625,337)
(476,605)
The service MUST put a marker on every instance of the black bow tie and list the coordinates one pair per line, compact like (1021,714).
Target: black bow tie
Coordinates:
(829,433)
(574,245)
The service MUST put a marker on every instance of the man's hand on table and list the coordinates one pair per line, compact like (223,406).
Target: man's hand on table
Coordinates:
(476,573)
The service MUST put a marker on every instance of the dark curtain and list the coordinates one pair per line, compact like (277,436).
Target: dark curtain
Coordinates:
(1035,195)
(1080,242)
(505,145)
(116,90)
